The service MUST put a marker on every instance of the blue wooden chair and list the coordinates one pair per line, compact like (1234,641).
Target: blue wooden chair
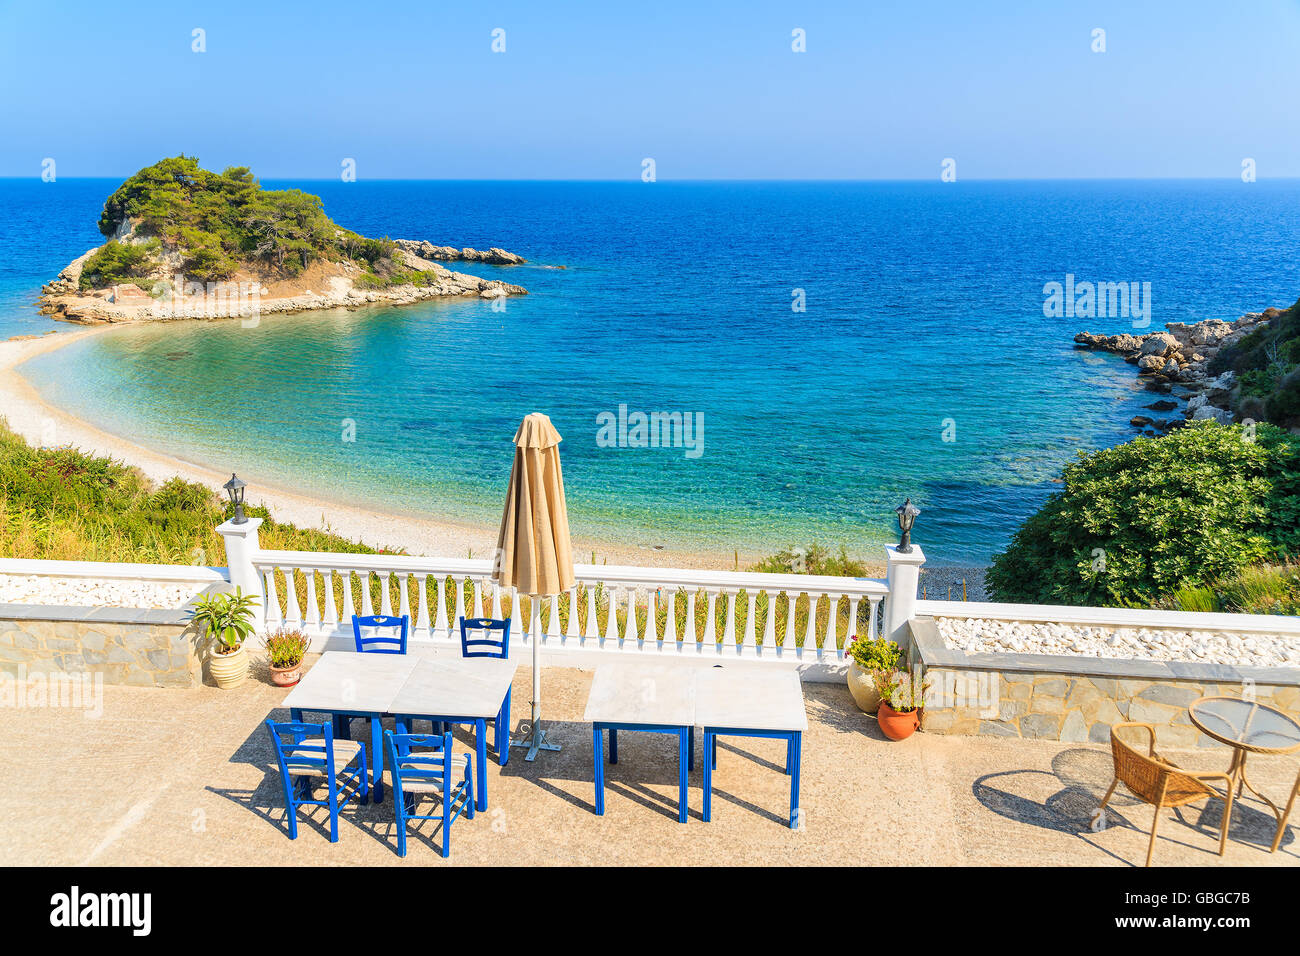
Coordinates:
(428,771)
(381,643)
(486,646)
(310,750)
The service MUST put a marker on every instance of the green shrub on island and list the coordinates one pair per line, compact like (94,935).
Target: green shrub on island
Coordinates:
(1141,522)
(222,222)
(119,262)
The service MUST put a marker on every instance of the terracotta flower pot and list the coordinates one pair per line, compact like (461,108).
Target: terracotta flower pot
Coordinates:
(229,670)
(286,676)
(863,688)
(897,726)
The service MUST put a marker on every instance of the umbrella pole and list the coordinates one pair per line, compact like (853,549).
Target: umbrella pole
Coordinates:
(535,739)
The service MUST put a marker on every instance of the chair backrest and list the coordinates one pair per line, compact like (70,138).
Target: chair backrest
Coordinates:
(1151,779)
(309,748)
(488,645)
(382,643)
(412,766)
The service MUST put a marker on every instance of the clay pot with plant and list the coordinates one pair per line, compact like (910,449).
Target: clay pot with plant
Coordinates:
(866,657)
(227,621)
(902,695)
(285,650)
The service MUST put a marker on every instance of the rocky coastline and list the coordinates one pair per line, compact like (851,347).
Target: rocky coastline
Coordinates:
(1176,363)
(326,285)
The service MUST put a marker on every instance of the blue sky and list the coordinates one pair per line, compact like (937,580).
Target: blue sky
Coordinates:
(709,90)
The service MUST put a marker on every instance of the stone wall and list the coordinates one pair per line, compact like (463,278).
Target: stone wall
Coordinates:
(1078,699)
(142,647)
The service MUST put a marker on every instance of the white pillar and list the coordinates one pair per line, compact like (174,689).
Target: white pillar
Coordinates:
(904,572)
(242,546)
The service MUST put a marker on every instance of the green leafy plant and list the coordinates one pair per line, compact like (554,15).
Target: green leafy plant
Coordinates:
(225,618)
(286,647)
(903,689)
(1136,523)
(878,655)
(813,559)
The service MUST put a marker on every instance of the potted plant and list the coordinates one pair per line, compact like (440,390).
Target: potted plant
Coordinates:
(865,659)
(902,695)
(227,620)
(285,650)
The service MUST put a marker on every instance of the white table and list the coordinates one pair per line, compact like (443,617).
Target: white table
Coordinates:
(726,701)
(462,691)
(347,684)
(733,702)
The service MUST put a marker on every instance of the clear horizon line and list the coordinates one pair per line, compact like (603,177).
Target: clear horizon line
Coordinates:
(756,179)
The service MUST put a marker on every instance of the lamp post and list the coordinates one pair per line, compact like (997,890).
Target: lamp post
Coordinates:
(907,513)
(235,489)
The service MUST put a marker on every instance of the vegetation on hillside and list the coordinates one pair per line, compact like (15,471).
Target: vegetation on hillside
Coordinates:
(62,504)
(1137,524)
(220,223)
(1267,366)
(1263,589)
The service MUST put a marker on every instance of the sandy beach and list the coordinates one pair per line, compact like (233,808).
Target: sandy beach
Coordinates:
(43,424)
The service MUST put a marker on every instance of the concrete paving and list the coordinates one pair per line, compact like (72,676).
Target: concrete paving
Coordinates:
(167,777)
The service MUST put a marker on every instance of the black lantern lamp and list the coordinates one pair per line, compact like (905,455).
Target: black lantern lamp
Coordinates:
(907,513)
(235,489)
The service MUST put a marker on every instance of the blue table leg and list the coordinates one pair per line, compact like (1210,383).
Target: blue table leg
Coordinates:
(789,753)
(501,731)
(613,745)
(683,757)
(480,738)
(598,744)
(710,742)
(713,751)
(690,750)
(796,747)
(377,760)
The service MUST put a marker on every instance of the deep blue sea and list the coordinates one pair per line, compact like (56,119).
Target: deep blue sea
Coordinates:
(924,322)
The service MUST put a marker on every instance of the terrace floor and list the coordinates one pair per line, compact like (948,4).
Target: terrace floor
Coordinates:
(188,777)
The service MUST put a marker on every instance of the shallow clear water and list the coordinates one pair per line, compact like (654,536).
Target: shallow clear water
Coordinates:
(924,309)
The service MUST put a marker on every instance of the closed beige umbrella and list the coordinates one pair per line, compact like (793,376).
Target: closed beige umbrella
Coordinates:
(534,555)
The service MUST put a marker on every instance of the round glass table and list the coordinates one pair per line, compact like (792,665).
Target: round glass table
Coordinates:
(1249,727)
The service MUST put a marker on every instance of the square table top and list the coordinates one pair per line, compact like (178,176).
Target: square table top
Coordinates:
(750,699)
(460,687)
(628,693)
(348,681)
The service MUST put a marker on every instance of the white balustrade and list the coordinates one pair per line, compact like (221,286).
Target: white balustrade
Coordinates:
(631,592)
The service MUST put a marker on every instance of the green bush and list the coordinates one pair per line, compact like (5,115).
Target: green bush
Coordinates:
(119,262)
(1143,520)
(813,559)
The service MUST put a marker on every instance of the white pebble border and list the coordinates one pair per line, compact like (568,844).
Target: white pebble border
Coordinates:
(92,592)
(979,636)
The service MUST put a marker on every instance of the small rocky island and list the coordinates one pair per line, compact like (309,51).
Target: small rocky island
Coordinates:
(1190,362)
(184,242)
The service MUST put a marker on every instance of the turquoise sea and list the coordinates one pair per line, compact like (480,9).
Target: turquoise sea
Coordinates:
(924,322)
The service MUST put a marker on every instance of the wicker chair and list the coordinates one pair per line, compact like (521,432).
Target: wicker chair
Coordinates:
(1281,823)
(1157,781)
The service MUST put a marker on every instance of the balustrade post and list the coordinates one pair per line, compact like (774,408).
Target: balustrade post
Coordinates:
(242,547)
(904,573)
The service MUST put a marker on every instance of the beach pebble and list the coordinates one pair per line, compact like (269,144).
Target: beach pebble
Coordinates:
(92,592)
(980,636)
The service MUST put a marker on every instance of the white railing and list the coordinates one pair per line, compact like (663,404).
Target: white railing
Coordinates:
(791,617)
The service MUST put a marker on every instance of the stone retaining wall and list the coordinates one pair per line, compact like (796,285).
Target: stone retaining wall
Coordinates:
(149,648)
(1077,699)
